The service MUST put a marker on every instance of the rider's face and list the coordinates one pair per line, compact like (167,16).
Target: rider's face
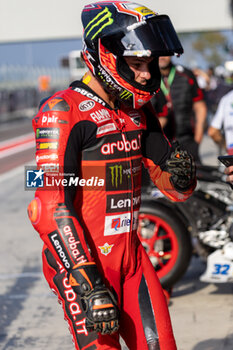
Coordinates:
(140,67)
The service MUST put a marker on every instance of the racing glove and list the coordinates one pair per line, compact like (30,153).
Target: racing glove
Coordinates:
(182,168)
(98,302)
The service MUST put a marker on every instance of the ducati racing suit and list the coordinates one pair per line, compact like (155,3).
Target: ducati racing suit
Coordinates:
(96,218)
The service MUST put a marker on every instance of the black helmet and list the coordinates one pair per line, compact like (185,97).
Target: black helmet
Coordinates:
(116,29)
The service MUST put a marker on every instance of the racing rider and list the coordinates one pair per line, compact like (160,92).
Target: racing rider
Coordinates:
(101,129)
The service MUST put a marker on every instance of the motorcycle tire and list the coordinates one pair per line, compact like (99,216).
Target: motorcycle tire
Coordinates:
(166,241)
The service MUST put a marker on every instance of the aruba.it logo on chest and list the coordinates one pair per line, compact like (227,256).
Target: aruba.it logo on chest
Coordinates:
(123,145)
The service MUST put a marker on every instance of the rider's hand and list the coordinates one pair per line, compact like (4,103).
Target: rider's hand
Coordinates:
(101,311)
(182,168)
(98,302)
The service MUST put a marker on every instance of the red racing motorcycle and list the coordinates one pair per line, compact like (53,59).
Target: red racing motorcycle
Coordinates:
(203,225)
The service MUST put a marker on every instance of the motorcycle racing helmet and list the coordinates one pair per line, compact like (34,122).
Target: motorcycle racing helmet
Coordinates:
(116,29)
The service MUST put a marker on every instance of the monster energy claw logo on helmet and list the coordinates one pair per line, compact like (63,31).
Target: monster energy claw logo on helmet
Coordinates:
(99,22)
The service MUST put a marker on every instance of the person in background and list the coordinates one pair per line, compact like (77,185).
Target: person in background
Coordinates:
(103,128)
(202,78)
(187,110)
(212,81)
(214,95)
(206,80)
(221,126)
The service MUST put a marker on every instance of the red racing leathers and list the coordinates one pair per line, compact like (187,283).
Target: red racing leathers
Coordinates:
(91,212)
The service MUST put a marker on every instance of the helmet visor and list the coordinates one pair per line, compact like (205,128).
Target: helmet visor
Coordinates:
(155,37)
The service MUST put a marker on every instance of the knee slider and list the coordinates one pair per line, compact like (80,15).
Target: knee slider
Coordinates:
(34,210)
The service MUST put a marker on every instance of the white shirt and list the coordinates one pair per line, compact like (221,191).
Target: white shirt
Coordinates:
(223,118)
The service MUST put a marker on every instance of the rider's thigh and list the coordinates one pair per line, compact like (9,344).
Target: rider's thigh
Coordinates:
(145,321)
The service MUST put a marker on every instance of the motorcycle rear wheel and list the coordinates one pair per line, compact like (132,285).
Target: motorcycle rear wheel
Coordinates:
(166,241)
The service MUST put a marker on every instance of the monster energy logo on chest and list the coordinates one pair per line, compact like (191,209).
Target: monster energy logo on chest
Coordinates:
(116,175)
(123,175)
(99,22)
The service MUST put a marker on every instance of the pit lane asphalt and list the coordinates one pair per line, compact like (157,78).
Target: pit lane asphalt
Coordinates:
(9,132)
(202,314)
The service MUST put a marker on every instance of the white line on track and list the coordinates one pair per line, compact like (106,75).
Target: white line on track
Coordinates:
(15,172)
(16,145)
(25,296)
(20,275)
(14,140)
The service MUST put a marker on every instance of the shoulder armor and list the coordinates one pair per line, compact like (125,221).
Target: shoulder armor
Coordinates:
(56,104)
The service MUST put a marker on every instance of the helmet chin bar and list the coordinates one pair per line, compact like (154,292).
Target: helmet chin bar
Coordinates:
(124,88)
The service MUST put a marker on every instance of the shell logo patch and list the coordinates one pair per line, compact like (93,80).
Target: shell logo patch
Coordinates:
(106,249)
(145,11)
